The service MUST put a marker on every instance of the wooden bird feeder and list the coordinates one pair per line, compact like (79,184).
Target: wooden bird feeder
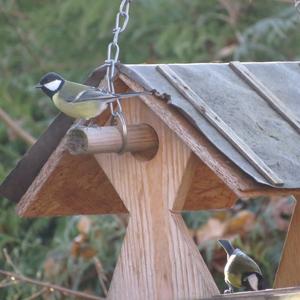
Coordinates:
(212,134)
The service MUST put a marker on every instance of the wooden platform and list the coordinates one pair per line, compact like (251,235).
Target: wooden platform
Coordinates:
(270,294)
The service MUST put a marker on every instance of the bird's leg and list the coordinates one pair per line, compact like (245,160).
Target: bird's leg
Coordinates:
(230,289)
(91,123)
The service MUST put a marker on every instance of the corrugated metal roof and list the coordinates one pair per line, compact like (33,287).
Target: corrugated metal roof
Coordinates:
(265,139)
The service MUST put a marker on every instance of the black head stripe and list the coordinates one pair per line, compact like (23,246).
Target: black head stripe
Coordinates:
(51,76)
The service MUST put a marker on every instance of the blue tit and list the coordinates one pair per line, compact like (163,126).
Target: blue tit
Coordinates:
(240,270)
(78,100)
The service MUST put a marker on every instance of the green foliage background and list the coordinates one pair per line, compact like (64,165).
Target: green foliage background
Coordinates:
(70,37)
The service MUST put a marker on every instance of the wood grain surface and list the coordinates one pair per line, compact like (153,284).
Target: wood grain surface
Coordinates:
(70,185)
(105,139)
(158,260)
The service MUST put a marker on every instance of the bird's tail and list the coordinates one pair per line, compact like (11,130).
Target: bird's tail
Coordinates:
(227,246)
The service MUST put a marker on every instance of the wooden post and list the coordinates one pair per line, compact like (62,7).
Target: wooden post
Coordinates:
(91,140)
(288,273)
(158,259)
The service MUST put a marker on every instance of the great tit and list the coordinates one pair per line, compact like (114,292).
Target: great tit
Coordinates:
(240,270)
(78,100)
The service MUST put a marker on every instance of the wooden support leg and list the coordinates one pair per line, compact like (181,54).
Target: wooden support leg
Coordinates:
(288,273)
(158,258)
(163,265)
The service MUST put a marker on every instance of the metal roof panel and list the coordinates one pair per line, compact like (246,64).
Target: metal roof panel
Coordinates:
(245,111)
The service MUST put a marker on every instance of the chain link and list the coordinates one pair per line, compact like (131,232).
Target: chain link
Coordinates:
(113,51)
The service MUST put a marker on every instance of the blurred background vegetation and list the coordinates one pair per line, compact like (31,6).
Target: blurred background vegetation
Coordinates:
(70,37)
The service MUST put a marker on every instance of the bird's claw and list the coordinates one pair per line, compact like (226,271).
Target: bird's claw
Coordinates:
(92,123)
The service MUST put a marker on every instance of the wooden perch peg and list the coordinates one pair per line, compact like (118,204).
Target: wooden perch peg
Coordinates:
(141,139)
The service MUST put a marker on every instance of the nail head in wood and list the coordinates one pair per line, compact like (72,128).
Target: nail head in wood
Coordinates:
(142,140)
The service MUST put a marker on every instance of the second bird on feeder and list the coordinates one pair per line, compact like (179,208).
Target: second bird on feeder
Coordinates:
(77,100)
(241,271)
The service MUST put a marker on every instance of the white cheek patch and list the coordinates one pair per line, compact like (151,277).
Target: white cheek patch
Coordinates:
(53,85)
(253,281)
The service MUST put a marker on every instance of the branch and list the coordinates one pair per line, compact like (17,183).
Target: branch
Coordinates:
(6,282)
(37,294)
(21,133)
(10,262)
(51,287)
(101,275)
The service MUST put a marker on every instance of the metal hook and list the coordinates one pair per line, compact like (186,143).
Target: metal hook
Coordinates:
(121,121)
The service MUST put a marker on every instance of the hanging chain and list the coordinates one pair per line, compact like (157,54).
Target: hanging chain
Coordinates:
(297,5)
(113,51)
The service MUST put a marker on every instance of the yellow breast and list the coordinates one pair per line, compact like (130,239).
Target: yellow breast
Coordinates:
(81,110)
(233,279)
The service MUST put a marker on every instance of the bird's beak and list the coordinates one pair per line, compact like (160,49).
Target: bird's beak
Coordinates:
(38,86)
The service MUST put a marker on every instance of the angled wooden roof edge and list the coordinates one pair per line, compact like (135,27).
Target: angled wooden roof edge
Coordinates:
(16,184)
